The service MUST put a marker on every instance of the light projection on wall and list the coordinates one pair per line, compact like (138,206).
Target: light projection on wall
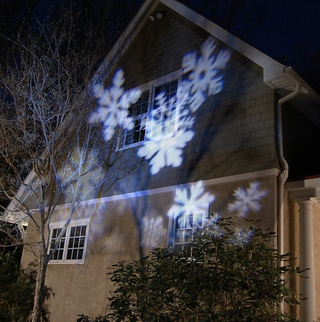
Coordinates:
(202,73)
(247,199)
(241,237)
(167,129)
(199,80)
(191,201)
(153,231)
(113,106)
(169,125)
(190,213)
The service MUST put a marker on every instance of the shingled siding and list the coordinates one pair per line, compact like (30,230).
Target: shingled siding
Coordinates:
(237,127)
(234,133)
(234,130)
(158,50)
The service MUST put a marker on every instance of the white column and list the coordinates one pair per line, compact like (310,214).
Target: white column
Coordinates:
(307,285)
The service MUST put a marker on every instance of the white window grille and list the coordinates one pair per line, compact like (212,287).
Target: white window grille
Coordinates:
(163,114)
(138,112)
(72,246)
(156,112)
(186,228)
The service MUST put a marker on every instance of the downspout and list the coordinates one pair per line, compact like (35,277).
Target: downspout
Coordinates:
(284,167)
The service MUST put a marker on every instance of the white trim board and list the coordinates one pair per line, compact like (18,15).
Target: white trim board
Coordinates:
(210,182)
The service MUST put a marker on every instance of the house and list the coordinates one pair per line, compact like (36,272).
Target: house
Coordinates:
(221,127)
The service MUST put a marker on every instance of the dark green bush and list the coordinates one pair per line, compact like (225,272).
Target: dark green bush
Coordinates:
(227,274)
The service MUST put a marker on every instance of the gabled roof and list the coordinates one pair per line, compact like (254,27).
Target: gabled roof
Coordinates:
(278,76)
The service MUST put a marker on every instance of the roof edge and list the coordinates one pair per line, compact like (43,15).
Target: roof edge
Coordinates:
(271,68)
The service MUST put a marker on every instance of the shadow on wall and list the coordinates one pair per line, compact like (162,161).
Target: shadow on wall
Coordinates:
(179,115)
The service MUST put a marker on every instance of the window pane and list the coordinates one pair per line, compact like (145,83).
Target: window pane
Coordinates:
(80,253)
(138,112)
(58,253)
(186,229)
(74,254)
(83,230)
(162,118)
(69,254)
(76,243)
(81,242)
(71,243)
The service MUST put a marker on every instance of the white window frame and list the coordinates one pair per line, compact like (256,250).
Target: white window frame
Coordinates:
(150,86)
(205,213)
(73,223)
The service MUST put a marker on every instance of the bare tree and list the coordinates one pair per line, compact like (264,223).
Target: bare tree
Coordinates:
(46,101)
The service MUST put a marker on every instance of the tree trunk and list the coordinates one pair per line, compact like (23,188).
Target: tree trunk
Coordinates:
(39,288)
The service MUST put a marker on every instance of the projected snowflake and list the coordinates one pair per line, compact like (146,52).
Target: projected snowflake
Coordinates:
(212,226)
(247,199)
(162,118)
(164,152)
(191,202)
(153,231)
(161,149)
(172,115)
(190,208)
(113,106)
(203,76)
(241,237)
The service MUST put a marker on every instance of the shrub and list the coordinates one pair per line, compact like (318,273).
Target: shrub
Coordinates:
(227,274)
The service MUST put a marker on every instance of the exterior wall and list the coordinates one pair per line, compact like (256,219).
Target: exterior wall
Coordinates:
(234,129)
(316,229)
(114,236)
(233,145)
(292,242)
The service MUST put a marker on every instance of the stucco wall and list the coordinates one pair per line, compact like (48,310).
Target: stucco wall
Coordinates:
(316,236)
(292,241)
(114,237)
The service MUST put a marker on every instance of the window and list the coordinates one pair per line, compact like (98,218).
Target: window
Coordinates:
(138,112)
(72,246)
(186,228)
(155,113)
(162,117)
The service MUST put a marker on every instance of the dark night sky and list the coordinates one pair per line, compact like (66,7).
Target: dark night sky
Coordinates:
(288,21)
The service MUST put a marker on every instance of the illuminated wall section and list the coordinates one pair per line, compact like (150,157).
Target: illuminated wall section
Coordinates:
(201,120)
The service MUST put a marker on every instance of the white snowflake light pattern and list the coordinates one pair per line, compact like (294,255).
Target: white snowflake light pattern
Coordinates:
(162,118)
(212,227)
(113,106)
(203,78)
(173,116)
(247,199)
(153,231)
(165,152)
(241,237)
(195,202)
(167,134)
